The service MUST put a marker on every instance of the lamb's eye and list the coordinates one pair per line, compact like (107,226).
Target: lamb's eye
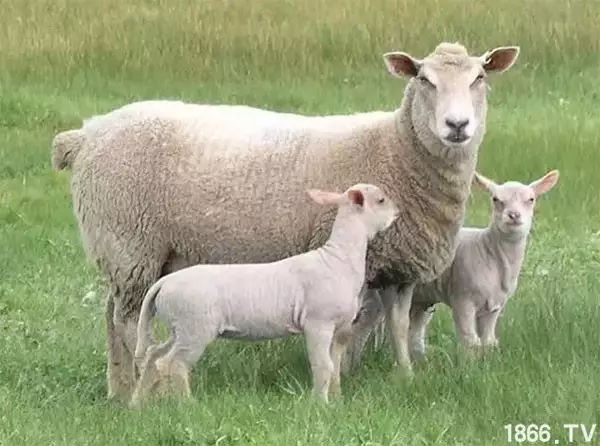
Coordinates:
(381,200)
(495,199)
(531,200)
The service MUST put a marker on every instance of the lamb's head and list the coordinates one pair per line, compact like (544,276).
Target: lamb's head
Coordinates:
(367,201)
(513,203)
(446,94)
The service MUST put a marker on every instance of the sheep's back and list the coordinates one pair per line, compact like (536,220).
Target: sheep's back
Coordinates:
(214,184)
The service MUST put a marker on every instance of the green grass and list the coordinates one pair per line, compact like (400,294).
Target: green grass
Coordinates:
(67,59)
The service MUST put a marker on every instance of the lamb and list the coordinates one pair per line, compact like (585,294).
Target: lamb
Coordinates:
(485,271)
(161,185)
(315,293)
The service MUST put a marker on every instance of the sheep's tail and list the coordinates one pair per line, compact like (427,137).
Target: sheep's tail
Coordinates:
(144,328)
(65,147)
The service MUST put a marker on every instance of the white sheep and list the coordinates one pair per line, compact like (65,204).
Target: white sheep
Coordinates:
(485,271)
(315,293)
(160,185)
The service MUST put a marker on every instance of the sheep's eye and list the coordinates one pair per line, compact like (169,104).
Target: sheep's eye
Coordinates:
(381,200)
(478,79)
(423,79)
(531,200)
(495,199)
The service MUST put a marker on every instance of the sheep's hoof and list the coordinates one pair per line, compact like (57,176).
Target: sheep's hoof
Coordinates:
(117,397)
(135,403)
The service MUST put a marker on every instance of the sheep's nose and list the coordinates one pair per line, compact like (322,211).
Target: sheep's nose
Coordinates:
(514,215)
(457,125)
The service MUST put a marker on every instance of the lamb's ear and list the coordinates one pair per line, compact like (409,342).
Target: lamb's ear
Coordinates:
(322,197)
(545,183)
(500,59)
(401,64)
(484,183)
(356,197)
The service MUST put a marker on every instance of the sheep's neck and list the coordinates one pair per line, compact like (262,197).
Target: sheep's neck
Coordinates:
(431,192)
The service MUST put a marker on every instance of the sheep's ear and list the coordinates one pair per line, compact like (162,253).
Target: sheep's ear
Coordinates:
(484,183)
(401,64)
(500,59)
(322,197)
(356,197)
(545,183)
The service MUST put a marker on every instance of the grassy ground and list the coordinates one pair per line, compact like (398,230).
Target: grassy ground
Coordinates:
(64,60)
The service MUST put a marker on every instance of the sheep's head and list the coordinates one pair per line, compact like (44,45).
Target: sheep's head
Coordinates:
(448,90)
(376,209)
(513,203)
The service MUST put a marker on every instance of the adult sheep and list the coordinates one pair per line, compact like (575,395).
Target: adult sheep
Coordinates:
(160,185)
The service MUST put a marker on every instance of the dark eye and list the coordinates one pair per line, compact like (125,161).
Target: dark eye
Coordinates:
(423,79)
(531,200)
(478,79)
(381,200)
(495,199)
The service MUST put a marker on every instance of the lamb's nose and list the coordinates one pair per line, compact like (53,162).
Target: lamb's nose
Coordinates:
(514,215)
(457,125)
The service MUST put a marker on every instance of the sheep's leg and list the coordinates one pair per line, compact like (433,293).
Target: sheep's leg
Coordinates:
(122,312)
(419,319)
(397,303)
(338,347)
(370,316)
(319,340)
(465,320)
(486,327)
(120,370)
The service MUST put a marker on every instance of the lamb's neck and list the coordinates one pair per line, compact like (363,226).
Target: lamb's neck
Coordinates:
(347,243)
(508,252)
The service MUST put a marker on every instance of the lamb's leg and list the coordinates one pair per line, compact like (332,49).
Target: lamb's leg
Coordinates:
(497,327)
(465,320)
(397,303)
(419,319)
(174,367)
(370,316)
(341,339)
(149,376)
(319,338)
(486,327)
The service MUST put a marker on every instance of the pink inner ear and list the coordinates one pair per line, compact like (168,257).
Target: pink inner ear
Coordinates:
(356,197)
(500,60)
(402,65)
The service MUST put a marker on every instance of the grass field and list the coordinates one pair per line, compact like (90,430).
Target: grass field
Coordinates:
(64,60)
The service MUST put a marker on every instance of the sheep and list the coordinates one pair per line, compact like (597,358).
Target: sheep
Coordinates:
(161,185)
(485,271)
(315,293)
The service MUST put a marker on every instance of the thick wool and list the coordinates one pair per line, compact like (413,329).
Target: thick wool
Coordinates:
(160,184)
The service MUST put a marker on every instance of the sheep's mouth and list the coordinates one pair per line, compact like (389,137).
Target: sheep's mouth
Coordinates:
(514,224)
(457,138)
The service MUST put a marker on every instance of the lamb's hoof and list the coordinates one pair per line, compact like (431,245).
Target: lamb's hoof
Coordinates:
(135,404)
(404,372)
(119,390)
